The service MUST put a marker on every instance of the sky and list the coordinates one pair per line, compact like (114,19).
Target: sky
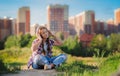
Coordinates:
(104,9)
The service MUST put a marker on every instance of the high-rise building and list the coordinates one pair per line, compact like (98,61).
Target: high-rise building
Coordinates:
(33,29)
(117,19)
(5,27)
(85,22)
(1,27)
(117,16)
(111,26)
(23,20)
(72,25)
(57,16)
(79,24)
(14,26)
(100,27)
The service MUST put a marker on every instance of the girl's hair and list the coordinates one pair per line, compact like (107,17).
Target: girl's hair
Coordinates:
(38,32)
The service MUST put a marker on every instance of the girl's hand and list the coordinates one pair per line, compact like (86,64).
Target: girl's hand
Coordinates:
(57,41)
(39,37)
(50,34)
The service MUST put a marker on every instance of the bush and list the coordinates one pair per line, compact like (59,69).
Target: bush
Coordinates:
(3,68)
(98,46)
(2,45)
(104,46)
(24,40)
(11,41)
(19,41)
(11,59)
(73,47)
(114,43)
(30,41)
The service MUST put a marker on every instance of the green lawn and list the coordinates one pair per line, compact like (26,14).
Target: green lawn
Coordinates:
(15,58)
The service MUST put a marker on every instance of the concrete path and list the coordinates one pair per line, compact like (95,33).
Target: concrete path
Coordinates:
(36,73)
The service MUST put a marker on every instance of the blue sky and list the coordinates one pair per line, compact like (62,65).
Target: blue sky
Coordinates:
(104,9)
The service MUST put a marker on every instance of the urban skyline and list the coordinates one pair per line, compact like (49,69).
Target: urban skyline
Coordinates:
(104,9)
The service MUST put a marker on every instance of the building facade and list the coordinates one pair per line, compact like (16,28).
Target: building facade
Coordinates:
(117,19)
(5,27)
(23,20)
(85,22)
(33,29)
(57,18)
(72,25)
(111,26)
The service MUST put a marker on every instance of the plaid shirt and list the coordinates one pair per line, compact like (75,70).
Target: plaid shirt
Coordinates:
(39,51)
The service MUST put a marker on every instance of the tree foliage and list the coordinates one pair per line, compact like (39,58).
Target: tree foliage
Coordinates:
(73,47)
(19,41)
(105,45)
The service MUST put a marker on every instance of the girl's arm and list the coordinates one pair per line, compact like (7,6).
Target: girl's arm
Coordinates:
(57,42)
(35,44)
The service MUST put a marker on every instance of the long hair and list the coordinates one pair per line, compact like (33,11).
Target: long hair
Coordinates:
(38,32)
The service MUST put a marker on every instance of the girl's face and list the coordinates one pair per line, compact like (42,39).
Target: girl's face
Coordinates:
(44,33)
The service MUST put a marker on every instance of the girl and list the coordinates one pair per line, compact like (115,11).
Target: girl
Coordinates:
(42,50)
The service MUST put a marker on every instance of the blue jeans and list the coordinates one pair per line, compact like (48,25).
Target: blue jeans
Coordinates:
(40,60)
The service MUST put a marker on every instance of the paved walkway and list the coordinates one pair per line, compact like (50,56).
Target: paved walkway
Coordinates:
(36,73)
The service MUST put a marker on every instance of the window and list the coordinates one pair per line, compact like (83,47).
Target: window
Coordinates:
(65,25)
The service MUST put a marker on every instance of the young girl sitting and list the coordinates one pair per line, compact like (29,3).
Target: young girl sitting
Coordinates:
(42,50)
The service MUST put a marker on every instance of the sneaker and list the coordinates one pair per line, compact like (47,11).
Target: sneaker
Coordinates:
(47,67)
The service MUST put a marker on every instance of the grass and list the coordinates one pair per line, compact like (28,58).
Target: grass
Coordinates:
(107,67)
(15,58)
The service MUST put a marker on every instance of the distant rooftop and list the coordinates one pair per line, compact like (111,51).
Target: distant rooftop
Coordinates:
(117,10)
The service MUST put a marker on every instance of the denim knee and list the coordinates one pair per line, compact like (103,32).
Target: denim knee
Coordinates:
(34,66)
(64,56)
(36,59)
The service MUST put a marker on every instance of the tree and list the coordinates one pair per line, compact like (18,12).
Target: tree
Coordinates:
(98,45)
(30,41)
(72,46)
(24,40)
(114,42)
(2,45)
(19,41)
(11,41)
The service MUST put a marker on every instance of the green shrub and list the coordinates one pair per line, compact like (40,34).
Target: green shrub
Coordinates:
(13,58)
(73,47)
(30,41)
(114,43)
(19,41)
(3,68)
(2,45)
(99,46)
(11,41)
(104,46)
(24,40)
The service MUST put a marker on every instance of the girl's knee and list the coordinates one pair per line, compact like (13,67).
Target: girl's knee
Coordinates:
(34,66)
(64,56)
